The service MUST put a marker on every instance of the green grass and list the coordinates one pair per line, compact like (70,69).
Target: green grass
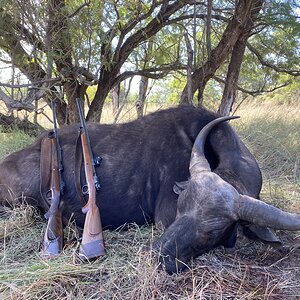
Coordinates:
(13,140)
(251,270)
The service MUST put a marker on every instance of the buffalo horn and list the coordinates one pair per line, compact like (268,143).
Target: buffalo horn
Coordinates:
(198,161)
(265,215)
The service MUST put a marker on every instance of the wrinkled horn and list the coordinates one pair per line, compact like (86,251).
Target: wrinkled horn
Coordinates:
(198,161)
(263,214)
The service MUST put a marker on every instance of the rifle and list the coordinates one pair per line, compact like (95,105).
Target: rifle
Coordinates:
(53,238)
(92,245)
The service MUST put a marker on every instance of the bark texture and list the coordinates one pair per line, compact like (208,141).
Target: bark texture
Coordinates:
(143,86)
(230,89)
(220,53)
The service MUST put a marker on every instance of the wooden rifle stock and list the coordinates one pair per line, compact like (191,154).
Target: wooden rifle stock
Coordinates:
(53,238)
(92,245)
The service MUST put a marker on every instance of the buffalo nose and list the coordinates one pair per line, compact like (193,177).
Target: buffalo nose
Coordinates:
(172,265)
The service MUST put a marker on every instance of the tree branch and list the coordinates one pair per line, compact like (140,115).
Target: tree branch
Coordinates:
(269,64)
(32,84)
(149,30)
(129,74)
(208,27)
(189,68)
(78,9)
(13,104)
(198,16)
(253,93)
(149,73)
(132,23)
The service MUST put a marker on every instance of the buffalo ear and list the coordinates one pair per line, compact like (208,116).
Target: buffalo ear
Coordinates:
(178,187)
(264,234)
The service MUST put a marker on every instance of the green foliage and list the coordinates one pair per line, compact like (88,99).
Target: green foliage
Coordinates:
(283,14)
(167,90)
(87,34)
(278,42)
(212,95)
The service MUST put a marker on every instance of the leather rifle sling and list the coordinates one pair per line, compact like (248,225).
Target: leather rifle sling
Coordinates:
(45,170)
(77,169)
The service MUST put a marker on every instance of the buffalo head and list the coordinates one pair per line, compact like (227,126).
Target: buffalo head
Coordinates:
(208,210)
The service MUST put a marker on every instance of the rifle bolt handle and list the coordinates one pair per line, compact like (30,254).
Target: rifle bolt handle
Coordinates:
(97,161)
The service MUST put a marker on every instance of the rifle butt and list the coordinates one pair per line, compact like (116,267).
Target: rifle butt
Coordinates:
(92,245)
(53,242)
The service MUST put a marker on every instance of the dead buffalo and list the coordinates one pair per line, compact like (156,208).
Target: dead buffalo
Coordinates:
(141,161)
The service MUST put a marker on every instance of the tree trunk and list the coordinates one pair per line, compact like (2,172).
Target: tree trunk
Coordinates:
(200,94)
(104,86)
(189,68)
(139,105)
(72,91)
(115,98)
(62,52)
(234,67)
(208,27)
(61,110)
(236,60)
(219,54)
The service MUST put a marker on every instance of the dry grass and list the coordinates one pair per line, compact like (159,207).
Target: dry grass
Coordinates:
(251,270)
(272,132)
(129,271)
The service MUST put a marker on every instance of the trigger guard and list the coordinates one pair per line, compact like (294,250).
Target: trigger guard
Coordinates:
(48,195)
(85,190)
